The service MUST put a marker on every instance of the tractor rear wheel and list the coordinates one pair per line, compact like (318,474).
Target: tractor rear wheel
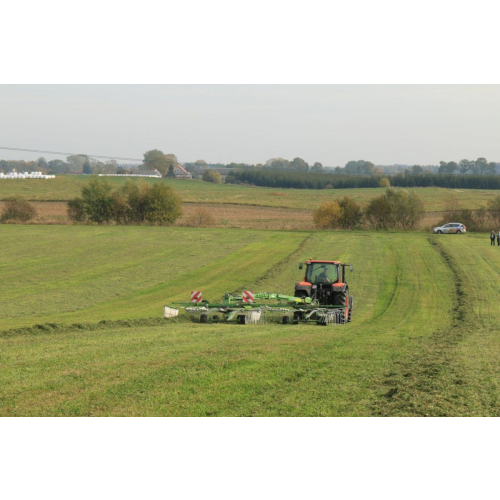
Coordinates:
(351,301)
(342,299)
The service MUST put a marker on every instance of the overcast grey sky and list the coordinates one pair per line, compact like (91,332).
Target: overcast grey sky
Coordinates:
(332,124)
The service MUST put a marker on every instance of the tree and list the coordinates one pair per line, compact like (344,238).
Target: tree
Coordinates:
(447,168)
(110,167)
(201,164)
(76,162)
(98,167)
(42,163)
(464,166)
(211,176)
(57,167)
(474,167)
(416,170)
(277,163)
(299,165)
(486,168)
(171,172)
(156,159)
(86,169)
(317,168)
(384,182)
(482,164)
(171,159)
(360,167)
(96,196)
(492,168)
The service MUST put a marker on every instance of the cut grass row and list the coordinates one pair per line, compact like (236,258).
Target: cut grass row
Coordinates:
(65,187)
(423,340)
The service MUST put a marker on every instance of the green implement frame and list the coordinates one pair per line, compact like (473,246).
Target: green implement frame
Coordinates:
(277,307)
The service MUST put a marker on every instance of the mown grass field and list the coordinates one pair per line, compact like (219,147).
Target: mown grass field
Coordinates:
(423,341)
(65,187)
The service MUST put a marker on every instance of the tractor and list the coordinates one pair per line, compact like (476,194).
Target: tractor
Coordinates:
(325,284)
(322,298)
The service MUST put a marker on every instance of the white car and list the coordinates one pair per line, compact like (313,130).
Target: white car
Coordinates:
(451,228)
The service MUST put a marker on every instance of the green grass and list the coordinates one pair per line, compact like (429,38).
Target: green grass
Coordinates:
(423,340)
(68,186)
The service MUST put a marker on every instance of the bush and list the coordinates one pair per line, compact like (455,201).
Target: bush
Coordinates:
(384,182)
(494,209)
(200,218)
(327,216)
(97,199)
(396,209)
(132,203)
(76,210)
(120,207)
(474,220)
(162,204)
(407,208)
(350,213)
(378,213)
(344,213)
(211,176)
(18,209)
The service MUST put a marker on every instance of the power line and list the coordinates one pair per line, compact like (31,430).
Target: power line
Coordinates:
(69,154)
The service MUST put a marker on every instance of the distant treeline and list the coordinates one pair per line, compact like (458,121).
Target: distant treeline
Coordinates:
(308,180)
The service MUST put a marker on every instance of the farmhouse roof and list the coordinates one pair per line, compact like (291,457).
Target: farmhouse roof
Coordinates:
(182,169)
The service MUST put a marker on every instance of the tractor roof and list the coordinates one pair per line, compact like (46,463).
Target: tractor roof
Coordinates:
(323,261)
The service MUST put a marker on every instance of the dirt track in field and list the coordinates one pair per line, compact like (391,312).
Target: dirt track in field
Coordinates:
(225,215)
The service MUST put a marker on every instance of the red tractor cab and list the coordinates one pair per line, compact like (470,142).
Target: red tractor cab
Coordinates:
(325,283)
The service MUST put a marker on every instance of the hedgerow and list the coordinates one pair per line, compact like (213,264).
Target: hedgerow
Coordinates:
(309,180)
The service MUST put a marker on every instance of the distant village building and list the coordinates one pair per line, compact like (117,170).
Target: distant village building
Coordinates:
(136,173)
(181,173)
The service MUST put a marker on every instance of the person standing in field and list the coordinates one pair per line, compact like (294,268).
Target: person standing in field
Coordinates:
(492,238)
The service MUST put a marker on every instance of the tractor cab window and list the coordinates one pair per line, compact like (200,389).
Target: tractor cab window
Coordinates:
(318,273)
